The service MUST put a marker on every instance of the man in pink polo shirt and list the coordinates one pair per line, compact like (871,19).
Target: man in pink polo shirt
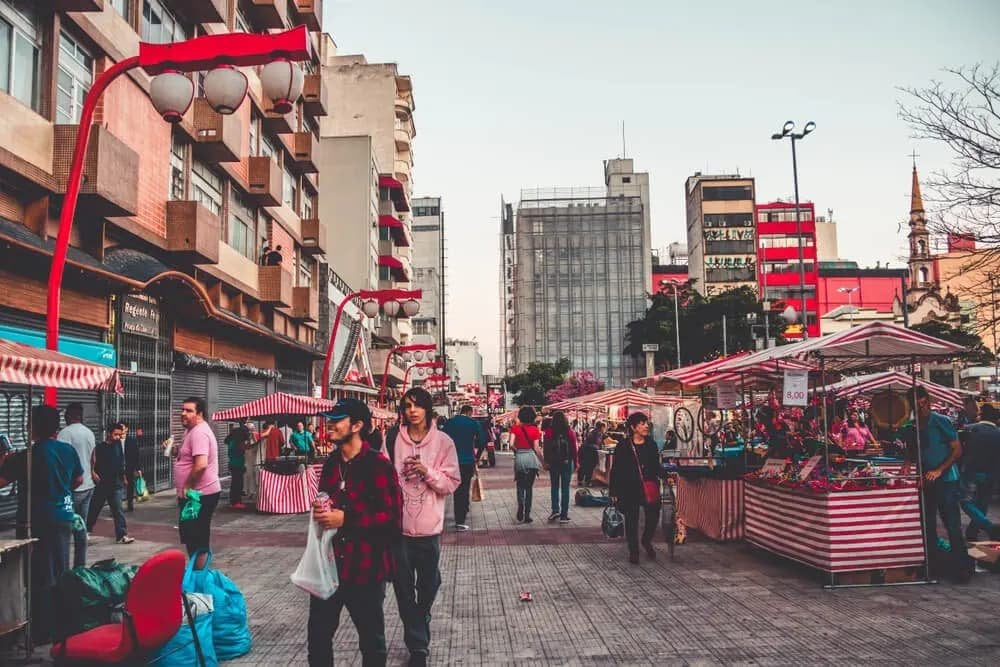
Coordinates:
(197,468)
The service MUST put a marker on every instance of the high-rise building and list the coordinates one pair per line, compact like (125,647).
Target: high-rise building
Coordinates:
(720,231)
(467,362)
(429,268)
(164,276)
(581,267)
(779,275)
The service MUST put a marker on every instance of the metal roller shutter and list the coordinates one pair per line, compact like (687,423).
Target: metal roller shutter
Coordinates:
(294,382)
(233,389)
(183,384)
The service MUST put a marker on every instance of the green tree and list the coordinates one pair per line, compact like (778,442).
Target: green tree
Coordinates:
(977,354)
(539,378)
(700,325)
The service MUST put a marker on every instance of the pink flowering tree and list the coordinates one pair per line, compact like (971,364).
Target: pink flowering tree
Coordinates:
(580,383)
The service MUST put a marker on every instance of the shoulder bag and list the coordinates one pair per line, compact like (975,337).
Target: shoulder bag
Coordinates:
(650,488)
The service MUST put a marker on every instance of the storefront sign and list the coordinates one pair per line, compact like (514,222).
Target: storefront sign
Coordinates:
(796,391)
(650,347)
(809,466)
(727,397)
(141,315)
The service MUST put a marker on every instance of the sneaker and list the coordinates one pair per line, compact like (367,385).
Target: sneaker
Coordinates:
(564,519)
(633,558)
(461,527)
(528,519)
(126,540)
(553,516)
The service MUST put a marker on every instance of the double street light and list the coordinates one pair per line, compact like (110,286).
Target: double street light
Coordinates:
(172,93)
(422,368)
(413,352)
(788,131)
(677,318)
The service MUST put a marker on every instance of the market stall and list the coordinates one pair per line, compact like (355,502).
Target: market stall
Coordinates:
(25,365)
(835,514)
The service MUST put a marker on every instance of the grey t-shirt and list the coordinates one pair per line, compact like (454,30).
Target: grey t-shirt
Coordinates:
(82,440)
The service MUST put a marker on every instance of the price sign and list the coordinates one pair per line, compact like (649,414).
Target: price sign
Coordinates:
(809,466)
(726,396)
(796,391)
(772,466)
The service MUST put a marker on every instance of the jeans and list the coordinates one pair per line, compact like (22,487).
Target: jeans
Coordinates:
(196,533)
(588,461)
(236,484)
(943,498)
(525,482)
(81,506)
(560,479)
(111,493)
(417,581)
(130,489)
(462,492)
(49,559)
(977,489)
(364,604)
(631,515)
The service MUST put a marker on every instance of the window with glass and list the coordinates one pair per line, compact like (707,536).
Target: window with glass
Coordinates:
(305,271)
(159,25)
(76,75)
(19,51)
(267,148)
(206,187)
(252,133)
(177,189)
(288,189)
(123,7)
(307,208)
(726,193)
(242,24)
(241,235)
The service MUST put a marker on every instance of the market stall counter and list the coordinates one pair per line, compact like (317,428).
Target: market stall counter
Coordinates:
(288,485)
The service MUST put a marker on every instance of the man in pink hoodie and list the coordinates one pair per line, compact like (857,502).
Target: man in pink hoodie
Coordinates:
(427,463)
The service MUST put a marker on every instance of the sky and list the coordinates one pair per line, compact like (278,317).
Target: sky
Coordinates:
(513,94)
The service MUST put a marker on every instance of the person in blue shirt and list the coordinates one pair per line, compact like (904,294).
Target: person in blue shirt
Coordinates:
(55,472)
(940,451)
(469,437)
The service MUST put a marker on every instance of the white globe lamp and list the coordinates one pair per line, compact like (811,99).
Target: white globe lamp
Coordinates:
(171,94)
(282,81)
(225,89)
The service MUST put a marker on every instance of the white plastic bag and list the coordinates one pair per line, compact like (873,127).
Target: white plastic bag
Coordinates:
(317,570)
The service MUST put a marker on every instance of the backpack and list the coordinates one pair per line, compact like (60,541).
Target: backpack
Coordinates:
(557,452)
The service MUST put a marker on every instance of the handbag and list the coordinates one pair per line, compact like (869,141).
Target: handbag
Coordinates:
(650,488)
(612,522)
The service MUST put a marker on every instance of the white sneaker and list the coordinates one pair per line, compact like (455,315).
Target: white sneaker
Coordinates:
(461,527)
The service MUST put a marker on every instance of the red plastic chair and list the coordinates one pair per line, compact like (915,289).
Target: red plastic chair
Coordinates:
(153,615)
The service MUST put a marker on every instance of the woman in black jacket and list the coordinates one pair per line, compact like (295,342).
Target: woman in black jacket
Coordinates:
(636,450)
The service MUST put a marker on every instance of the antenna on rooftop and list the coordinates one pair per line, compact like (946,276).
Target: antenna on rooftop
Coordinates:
(624,153)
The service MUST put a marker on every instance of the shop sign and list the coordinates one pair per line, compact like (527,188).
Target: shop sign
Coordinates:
(809,466)
(796,391)
(773,466)
(727,397)
(141,315)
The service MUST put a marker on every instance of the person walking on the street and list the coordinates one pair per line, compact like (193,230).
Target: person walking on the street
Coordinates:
(365,508)
(980,468)
(525,438)
(236,446)
(467,434)
(588,454)
(82,440)
(559,456)
(637,462)
(426,461)
(55,472)
(197,468)
(940,450)
(132,466)
(109,476)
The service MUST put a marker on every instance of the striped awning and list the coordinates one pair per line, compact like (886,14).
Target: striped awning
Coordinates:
(275,404)
(23,364)
(899,382)
(608,397)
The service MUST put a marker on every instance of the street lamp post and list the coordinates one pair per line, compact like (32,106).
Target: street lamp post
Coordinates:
(171,93)
(390,301)
(417,350)
(677,318)
(849,291)
(787,131)
(421,366)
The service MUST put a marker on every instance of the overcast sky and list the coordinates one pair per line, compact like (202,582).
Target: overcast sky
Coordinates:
(514,94)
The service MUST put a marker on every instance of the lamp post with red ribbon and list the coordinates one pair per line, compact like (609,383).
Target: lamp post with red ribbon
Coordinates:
(171,93)
(416,349)
(420,369)
(389,301)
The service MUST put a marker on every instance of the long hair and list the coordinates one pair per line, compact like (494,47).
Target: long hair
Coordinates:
(421,398)
(560,425)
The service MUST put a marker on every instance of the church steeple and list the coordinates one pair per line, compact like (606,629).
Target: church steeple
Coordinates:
(916,201)
(921,264)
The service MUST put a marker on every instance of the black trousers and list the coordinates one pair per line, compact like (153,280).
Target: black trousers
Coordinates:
(196,533)
(631,514)
(236,484)
(416,584)
(130,489)
(588,461)
(462,492)
(364,604)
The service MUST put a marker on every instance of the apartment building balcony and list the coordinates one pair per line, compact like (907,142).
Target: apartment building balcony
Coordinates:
(401,170)
(217,137)
(305,304)
(309,13)
(400,234)
(274,286)
(313,237)
(314,95)
(399,267)
(403,139)
(110,171)
(264,181)
(404,107)
(276,123)
(301,147)
(193,232)
(200,11)
(76,5)
(268,14)
(397,370)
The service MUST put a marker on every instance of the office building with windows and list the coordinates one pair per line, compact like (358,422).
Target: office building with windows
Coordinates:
(720,232)
(429,269)
(780,279)
(581,265)
(164,278)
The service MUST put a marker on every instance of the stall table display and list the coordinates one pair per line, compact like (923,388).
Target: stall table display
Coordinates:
(14,606)
(287,487)
(713,507)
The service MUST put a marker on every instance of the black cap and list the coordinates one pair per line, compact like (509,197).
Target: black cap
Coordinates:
(353,408)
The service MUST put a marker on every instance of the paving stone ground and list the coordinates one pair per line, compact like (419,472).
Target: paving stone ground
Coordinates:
(714,604)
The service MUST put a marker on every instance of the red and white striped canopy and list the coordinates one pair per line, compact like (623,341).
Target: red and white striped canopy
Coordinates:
(23,364)
(608,397)
(276,404)
(898,382)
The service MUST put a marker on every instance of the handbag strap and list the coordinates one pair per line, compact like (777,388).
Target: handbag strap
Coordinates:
(638,463)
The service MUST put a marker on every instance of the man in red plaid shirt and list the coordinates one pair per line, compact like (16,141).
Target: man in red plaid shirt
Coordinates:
(365,508)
